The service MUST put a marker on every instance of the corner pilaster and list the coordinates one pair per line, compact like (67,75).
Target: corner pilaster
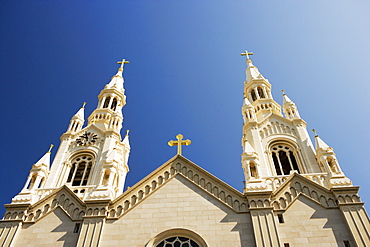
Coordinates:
(354,213)
(263,219)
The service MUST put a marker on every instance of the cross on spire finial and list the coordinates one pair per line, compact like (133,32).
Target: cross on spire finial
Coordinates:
(123,62)
(314,131)
(247,54)
(179,143)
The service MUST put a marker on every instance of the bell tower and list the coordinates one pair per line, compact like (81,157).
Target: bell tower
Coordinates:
(276,145)
(92,160)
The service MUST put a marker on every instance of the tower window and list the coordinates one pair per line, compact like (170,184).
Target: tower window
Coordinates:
(254,96)
(253,170)
(106,102)
(114,104)
(261,93)
(80,170)
(284,159)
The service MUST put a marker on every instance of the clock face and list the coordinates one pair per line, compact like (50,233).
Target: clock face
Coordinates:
(87,138)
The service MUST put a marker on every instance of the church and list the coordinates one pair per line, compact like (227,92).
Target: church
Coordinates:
(295,193)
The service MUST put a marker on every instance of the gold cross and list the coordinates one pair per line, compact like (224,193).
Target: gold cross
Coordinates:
(179,143)
(246,53)
(123,62)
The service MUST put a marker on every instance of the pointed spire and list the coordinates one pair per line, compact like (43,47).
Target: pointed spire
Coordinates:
(251,71)
(80,114)
(289,108)
(286,98)
(319,143)
(126,139)
(117,80)
(45,160)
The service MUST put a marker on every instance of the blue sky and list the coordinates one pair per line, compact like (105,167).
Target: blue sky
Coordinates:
(185,76)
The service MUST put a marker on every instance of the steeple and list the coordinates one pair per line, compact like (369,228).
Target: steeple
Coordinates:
(248,111)
(274,146)
(108,114)
(289,108)
(77,120)
(36,179)
(257,90)
(329,163)
(87,156)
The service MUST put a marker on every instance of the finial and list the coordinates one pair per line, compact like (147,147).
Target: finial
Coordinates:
(127,131)
(123,62)
(314,131)
(179,143)
(246,53)
(51,146)
(283,92)
(83,105)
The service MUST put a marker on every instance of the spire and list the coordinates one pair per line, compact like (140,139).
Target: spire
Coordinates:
(77,121)
(125,140)
(117,80)
(45,160)
(286,99)
(80,114)
(289,108)
(251,71)
(108,114)
(248,111)
(257,90)
(319,143)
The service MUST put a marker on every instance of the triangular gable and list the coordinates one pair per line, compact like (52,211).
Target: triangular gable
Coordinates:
(92,128)
(62,198)
(296,185)
(178,165)
(275,117)
(58,226)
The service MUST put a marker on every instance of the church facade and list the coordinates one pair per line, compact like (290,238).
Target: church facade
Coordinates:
(295,192)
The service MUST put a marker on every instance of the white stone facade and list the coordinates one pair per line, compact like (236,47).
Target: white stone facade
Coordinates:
(295,194)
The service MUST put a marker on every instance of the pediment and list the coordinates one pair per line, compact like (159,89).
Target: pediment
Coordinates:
(297,185)
(178,166)
(62,198)
(91,128)
(276,118)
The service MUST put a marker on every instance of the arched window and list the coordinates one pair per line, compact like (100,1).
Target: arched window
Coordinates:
(261,93)
(114,104)
(106,102)
(177,237)
(253,170)
(284,159)
(254,96)
(80,170)
(32,182)
(332,164)
(177,242)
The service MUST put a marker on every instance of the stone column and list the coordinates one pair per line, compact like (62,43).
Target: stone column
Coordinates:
(354,213)
(263,219)
(9,231)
